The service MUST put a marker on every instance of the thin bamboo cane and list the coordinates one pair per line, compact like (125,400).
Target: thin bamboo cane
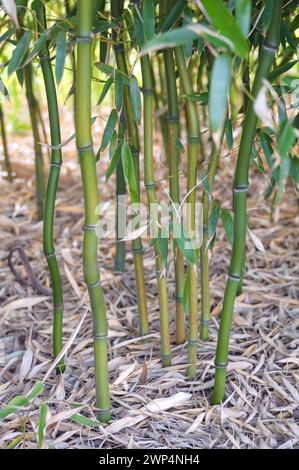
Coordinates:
(116,11)
(33,112)
(39,165)
(49,212)
(173,162)
(193,150)
(265,61)
(91,199)
(120,256)
(150,185)
(7,165)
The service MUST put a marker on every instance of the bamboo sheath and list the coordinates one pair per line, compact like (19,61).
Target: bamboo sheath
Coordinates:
(116,11)
(7,165)
(49,210)
(193,151)
(265,61)
(91,199)
(150,185)
(173,163)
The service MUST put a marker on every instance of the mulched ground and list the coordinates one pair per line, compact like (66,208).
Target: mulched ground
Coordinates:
(152,407)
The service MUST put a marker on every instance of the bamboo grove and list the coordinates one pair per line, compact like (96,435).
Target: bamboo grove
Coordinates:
(213,79)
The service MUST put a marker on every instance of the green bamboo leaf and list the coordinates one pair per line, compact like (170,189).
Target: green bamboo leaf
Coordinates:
(185,244)
(19,52)
(229,133)
(105,90)
(112,72)
(19,401)
(185,35)
(3,90)
(114,161)
(129,171)
(110,126)
(286,138)
(35,391)
(135,99)
(223,21)
(294,169)
(214,217)
(201,98)
(36,48)
(219,89)
(60,55)
(281,69)
(148,19)
(43,411)
(113,144)
(83,421)
(228,225)
(7,411)
(243,15)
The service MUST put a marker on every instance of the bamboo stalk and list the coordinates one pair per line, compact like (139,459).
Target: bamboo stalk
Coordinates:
(7,165)
(265,61)
(49,212)
(193,150)
(116,11)
(120,256)
(39,164)
(91,199)
(150,185)
(173,162)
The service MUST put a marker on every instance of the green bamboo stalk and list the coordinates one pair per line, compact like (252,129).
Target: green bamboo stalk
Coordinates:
(173,162)
(193,150)
(120,256)
(204,255)
(49,212)
(33,112)
(150,185)
(116,11)
(7,165)
(265,61)
(39,164)
(91,199)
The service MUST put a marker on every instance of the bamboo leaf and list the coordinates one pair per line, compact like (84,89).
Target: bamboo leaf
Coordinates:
(112,72)
(228,225)
(7,411)
(19,52)
(36,48)
(135,99)
(110,126)
(185,35)
(214,217)
(229,133)
(60,55)
(83,421)
(105,90)
(286,138)
(11,9)
(219,89)
(223,21)
(43,411)
(129,171)
(243,15)
(114,161)
(3,90)
(148,19)
(185,243)
(35,391)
